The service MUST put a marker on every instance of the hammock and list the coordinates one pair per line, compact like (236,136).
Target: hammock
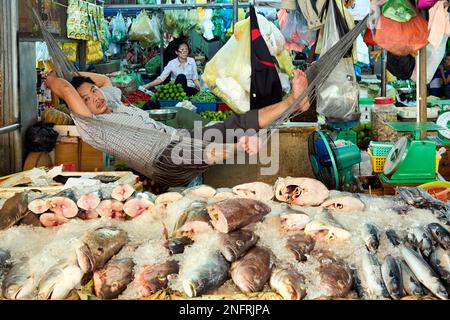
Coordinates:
(150,152)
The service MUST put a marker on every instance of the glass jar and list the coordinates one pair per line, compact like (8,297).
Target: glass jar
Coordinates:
(383,112)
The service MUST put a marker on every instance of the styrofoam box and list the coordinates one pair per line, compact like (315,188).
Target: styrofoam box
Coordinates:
(411,112)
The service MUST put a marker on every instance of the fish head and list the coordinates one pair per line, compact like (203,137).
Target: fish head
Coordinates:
(107,285)
(288,283)
(344,204)
(85,258)
(301,191)
(294,221)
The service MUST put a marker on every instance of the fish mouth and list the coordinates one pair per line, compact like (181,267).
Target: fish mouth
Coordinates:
(85,259)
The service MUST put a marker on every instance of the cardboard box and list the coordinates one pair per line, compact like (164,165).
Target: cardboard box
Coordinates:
(67,151)
(91,160)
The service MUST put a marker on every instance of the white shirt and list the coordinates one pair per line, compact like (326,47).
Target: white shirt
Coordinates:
(175,68)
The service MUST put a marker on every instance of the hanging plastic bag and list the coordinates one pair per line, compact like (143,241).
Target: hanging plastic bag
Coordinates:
(368,38)
(362,51)
(141,30)
(402,38)
(434,59)
(207,25)
(400,67)
(228,73)
(398,10)
(295,30)
(338,96)
(426,4)
(119,32)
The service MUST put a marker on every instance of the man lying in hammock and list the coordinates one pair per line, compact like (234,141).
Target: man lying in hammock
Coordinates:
(148,146)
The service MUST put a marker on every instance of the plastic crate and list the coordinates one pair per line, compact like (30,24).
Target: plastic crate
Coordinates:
(168,103)
(205,106)
(380,148)
(377,161)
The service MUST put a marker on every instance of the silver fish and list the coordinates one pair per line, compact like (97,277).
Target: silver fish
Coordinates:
(421,237)
(440,234)
(392,277)
(5,256)
(20,283)
(411,285)
(440,261)
(423,272)
(357,286)
(371,237)
(372,274)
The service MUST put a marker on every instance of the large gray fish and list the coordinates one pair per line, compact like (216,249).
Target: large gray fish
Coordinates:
(13,210)
(235,244)
(111,280)
(424,272)
(60,279)
(334,274)
(20,283)
(420,237)
(392,277)
(371,237)
(300,245)
(251,272)
(372,274)
(440,261)
(288,283)
(99,246)
(411,285)
(210,274)
(440,234)
(233,214)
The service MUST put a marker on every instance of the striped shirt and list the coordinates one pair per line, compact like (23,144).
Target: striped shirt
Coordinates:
(128,133)
(175,68)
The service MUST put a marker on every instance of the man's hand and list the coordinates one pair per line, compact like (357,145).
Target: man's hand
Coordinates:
(299,85)
(250,145)
(50,78)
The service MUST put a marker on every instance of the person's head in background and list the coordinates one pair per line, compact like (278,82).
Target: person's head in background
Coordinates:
(182,50)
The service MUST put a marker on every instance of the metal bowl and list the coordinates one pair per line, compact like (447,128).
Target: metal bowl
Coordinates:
(162,114)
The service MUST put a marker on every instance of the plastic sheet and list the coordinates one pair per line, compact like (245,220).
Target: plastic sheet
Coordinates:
(119,29)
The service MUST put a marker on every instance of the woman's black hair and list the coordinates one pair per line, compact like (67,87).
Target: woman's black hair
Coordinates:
(78,81)
(177,47)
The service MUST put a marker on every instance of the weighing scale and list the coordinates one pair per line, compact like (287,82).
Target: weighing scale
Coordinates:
(411,161)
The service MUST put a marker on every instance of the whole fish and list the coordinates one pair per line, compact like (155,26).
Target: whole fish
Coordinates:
(423,272)
(233,214)
(210,274)
(334,274)
(420,237)
(155,277)
(300,191)
(440,234)
(111,280)
(372,274)
(392,277)
(371,237)
(440,261)
(344,204)
(288,283)
(60,279)
(235,244)
(300,245)
(251,272)
(325,227)
(393,237)
(20,283)
(13,210)
(411,285)
(98,246)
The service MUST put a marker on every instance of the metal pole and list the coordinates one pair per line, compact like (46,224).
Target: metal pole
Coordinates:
(161,35)
(10,128)
(235,12)
(383,73)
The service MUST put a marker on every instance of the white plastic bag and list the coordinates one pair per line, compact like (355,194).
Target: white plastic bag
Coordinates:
(207,25)
(338,95)
(434,59)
